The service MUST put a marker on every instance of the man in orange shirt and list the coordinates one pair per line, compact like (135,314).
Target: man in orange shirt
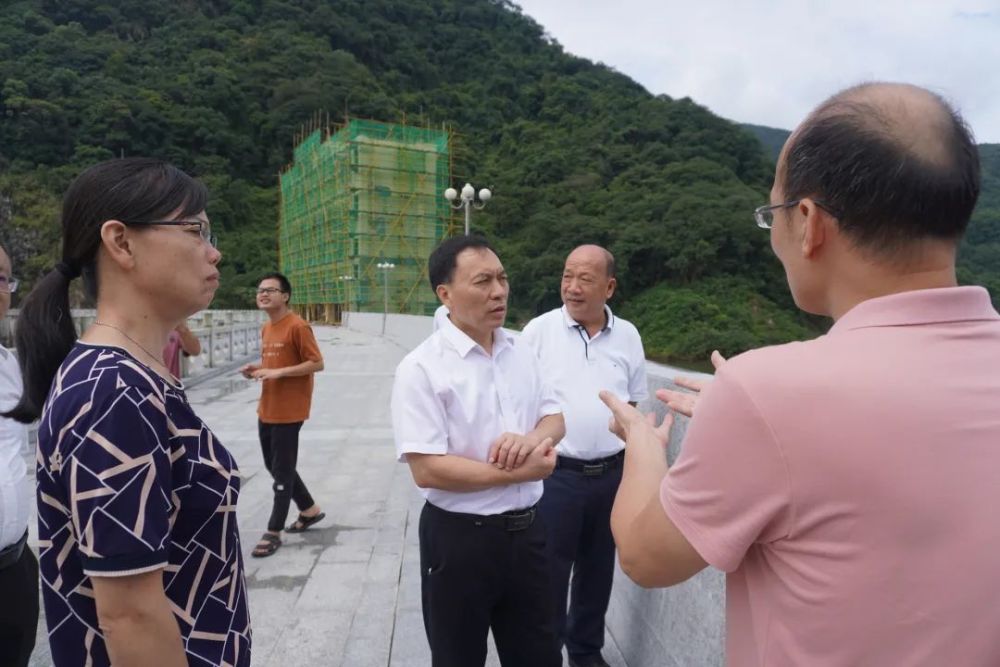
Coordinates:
(289,357)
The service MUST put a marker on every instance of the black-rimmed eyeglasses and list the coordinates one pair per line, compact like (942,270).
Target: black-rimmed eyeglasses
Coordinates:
(764,215)
(203,228)
(8,285)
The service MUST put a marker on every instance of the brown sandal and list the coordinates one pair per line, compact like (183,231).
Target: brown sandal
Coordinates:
(303,522)
(264,550)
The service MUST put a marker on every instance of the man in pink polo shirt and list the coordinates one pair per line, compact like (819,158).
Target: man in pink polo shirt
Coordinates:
(849,486)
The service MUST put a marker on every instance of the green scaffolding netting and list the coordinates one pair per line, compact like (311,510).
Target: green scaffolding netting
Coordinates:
(369,193)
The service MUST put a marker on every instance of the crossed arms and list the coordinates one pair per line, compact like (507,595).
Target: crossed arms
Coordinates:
(513,458)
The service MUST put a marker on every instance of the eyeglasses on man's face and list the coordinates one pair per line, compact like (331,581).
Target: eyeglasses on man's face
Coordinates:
(269,290)
(8,285)
(203,228)
(764,215)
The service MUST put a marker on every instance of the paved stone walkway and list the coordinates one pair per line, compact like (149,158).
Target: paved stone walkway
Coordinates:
(347,592)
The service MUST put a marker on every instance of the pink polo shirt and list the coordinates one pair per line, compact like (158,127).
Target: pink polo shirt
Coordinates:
(850,488)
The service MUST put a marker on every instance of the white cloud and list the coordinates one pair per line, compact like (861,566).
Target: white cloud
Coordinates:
(771,62)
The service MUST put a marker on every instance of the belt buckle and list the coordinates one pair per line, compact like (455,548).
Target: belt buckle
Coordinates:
(520,521)
(594,469)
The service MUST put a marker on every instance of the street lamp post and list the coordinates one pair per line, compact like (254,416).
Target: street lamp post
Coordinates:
(385,267)
(347,280)
(467,200)
(347,297)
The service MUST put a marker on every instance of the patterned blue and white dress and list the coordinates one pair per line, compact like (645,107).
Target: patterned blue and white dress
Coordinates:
(130,480)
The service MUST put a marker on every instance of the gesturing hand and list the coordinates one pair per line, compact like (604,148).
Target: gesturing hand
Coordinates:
(266,373)
(685,402)
(631,426)
(510,450)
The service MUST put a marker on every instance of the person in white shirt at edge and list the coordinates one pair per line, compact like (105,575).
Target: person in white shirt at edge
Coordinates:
(583,349)
(477,425)
(440,317)
(18,565)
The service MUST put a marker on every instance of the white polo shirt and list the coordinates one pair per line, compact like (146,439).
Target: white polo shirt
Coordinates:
(579,367)
(451,397)
(15,489)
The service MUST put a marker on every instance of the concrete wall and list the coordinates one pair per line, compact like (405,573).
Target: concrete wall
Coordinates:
(683,626)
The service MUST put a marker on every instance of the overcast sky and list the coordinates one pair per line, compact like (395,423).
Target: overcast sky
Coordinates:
(769,62)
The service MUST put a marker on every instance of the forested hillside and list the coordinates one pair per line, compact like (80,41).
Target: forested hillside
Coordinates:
(771,138)
(574,151)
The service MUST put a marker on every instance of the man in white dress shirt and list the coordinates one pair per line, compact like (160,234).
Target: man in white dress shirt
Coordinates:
(477,425)
(583,349)
(18,565)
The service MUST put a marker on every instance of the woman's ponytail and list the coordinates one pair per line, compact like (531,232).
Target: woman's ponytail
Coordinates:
(44,335)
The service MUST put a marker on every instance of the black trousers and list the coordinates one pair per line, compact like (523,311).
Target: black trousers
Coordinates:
(577,513)
(481,577)
(279,443)
(18,610)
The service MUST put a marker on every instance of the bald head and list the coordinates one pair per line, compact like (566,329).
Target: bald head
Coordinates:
(916,121)
(596,255)
(893,162)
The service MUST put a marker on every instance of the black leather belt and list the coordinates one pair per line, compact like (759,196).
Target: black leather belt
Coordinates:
(12,554)
(512,521)
(594,468)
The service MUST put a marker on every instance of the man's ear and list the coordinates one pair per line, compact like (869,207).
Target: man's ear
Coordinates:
(814,227)
(443,295)
(115,241)
(612,284)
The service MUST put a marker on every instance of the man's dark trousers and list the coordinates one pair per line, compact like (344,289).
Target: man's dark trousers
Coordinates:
(18,609)
(576,508)
(279,443)
(477,576)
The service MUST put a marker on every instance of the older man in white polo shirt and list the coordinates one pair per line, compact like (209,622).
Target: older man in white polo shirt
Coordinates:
(584,349)
(477,425)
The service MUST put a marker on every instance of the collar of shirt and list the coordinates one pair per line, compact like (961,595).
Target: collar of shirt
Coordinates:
(925,306)
(440,317)
(609,323)
(463,344)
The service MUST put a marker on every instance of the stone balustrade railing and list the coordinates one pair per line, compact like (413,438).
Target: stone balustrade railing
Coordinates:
(227,337)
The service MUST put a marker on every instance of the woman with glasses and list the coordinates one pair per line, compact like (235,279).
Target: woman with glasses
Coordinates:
(139,548)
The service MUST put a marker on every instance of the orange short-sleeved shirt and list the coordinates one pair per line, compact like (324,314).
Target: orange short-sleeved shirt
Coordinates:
(287,342)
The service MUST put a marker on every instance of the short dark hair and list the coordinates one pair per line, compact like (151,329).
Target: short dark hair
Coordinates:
(444,258)
(865,161)
(286,286)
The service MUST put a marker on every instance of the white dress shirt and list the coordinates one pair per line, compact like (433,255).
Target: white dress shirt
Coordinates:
(451,397)
(15,490)
(440,317)
(578,367)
